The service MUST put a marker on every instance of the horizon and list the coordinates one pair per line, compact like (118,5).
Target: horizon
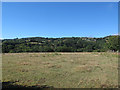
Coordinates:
(59,19)
(61,37)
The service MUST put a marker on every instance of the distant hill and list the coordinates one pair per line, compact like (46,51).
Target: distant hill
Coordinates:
(65,44)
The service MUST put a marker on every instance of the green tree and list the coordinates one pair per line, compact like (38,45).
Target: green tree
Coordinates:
(112,43)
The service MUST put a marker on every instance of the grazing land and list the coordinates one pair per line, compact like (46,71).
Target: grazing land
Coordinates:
(62,70)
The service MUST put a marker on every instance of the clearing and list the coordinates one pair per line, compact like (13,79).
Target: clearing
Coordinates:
(61,70)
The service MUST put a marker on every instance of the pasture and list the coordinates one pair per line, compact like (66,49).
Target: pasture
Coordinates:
(61,70)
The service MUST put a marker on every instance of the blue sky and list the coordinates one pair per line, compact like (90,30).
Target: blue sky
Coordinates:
(61,19)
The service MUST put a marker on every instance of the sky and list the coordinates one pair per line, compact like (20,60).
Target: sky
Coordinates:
(59,19)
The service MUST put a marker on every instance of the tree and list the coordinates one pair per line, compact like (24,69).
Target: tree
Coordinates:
(112,43)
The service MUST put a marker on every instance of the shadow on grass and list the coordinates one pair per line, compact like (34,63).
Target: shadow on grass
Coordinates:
(12,86)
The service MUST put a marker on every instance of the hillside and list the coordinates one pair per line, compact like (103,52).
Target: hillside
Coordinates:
(65,44)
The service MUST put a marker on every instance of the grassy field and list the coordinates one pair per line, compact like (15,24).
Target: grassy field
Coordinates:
(61,70)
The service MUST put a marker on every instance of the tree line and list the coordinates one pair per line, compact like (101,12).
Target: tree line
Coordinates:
(65,44)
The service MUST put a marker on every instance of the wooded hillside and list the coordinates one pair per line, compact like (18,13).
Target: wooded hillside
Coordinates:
(65,44)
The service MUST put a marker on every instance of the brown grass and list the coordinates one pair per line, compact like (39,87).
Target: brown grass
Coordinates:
(62,70)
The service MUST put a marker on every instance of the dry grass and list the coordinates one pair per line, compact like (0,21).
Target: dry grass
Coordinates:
(62,70)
